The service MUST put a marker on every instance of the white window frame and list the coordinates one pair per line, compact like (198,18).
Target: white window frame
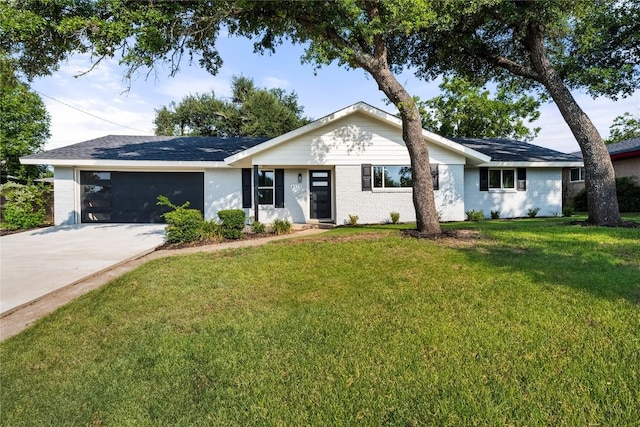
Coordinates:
(581,174)
(383,187)
(502,187)
(271,187)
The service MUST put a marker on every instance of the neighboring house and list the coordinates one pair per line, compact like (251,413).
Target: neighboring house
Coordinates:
(625,157)
(352,162)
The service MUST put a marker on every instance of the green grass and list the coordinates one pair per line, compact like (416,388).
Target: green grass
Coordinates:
(534,322)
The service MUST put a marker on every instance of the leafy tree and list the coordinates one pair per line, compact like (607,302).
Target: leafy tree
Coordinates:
(24,124)
(466,110)
(548,45)
(354,33)
(624,127)
(250,112)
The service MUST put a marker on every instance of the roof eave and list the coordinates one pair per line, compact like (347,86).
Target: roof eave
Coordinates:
(158,164)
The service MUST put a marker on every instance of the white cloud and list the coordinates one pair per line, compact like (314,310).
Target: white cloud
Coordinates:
(271,82)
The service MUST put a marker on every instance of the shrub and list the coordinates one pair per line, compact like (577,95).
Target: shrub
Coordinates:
(395,217)
(353,220)
(183,225)
(567,211)
(210,230)
(232,223)
(281,226)
(532,212)
(475,215)
(628,192)
(25,205)
(258,227)
(495,214)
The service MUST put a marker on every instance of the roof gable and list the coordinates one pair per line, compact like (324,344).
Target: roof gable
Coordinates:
(361,108)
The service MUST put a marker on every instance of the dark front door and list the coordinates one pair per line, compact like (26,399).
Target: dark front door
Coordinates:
(320,185)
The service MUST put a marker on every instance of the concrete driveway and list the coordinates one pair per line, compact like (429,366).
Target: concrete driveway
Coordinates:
(36,263)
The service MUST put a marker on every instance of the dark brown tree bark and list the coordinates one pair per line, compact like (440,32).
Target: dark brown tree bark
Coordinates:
(599,174)
(427,221)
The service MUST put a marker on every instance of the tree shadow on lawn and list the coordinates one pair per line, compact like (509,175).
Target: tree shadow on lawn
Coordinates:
(607,268)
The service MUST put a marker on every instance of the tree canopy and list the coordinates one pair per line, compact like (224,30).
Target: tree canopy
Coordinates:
(624,127)
(547,45)
(24,125)
(249,112)
(468,110)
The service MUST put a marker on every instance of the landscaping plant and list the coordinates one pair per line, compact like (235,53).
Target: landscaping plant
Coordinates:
(232,223)
(184,225)
(24,206)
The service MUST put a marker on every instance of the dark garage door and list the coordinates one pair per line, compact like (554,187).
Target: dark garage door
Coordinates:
(130,197)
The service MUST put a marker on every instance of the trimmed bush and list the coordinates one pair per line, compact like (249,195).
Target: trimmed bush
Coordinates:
(533,212)
(258,227)
(25,205)
(281,226)
(395,217)
(210,230)
(183,225)
(627,189)
(232,223)
(475,215)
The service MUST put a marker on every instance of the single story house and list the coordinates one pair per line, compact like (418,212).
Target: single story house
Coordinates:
(351,162)
(625,157)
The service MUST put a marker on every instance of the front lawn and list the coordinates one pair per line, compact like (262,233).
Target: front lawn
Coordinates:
(531,322)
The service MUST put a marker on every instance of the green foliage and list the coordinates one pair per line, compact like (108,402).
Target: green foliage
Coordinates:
(232,223)
(250,112)
(495,214)
(24,206)
(628,192)
(184,225)
(624,127)
(395,217)
(281,226)
(532,212)
(258,227)
(24,125)
(568,211)
(353,220)
(474,215)
(210,230)
(466,110)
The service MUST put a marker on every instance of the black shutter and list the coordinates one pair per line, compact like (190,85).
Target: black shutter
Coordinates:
(522,179)
(279,202)
(484,179)
(246,188)
(366,177)
(435,176)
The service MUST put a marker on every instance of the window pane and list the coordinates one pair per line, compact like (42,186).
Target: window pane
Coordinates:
(265,196)
(89,176)
(265,178)
(406,177)
(581,174)
(575,174)
(377,176)
(392,176)
(508,178)
(97,189)
(495,179)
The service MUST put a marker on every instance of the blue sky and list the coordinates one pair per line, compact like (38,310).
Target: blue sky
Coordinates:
(103,93)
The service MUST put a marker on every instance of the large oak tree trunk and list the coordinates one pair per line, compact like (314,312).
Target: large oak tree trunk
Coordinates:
(599,174)
(423,198)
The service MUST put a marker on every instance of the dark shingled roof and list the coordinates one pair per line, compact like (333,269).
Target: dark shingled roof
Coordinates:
(510,150)
(166,148)
(626,146)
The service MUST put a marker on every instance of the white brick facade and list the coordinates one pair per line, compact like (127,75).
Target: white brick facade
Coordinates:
(544,191)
